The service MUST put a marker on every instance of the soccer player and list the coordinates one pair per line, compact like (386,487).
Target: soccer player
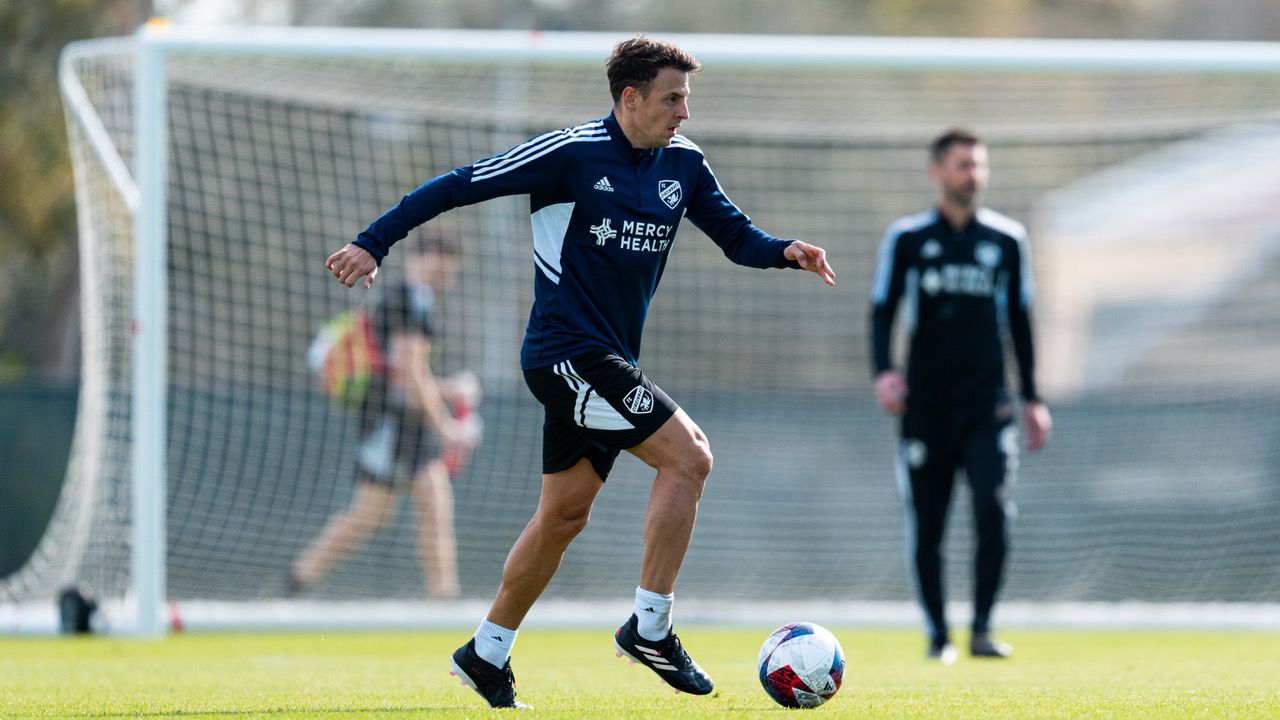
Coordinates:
(966,273)
(606,198)
(401,415)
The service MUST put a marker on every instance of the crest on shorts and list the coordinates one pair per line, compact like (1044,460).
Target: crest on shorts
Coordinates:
(639,401)
(669,192)
(916,453)
(1009,441)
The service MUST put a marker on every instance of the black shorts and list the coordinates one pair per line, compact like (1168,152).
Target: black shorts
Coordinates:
(395,442)
(596,405)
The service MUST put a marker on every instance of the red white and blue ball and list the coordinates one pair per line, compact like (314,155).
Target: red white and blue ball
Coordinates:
(801,665)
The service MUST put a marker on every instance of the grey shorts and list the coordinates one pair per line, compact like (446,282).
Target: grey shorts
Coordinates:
(395,443)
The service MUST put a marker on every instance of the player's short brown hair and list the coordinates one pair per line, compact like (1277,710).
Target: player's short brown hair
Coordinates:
(942,144)
(636,62)
(438,240)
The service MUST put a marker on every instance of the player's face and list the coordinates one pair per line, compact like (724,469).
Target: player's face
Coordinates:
(441,269)
(656,116)
(962,174)
(434,268)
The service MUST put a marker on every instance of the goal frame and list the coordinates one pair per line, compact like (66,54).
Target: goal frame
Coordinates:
(145,193)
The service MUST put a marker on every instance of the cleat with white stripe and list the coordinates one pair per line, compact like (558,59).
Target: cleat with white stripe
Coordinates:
(666,657)
(496,685)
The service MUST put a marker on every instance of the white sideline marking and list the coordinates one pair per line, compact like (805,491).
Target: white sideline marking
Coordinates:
(42,618)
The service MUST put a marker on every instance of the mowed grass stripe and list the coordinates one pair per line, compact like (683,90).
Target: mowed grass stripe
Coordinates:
(1054,674)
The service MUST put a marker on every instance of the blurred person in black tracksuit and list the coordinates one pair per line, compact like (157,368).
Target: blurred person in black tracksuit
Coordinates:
(965,273)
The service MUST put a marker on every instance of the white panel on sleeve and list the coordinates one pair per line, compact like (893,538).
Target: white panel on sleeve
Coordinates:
(888,248)
(549,227)
(1017,231)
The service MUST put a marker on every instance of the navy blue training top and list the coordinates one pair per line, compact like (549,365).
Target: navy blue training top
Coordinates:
(604,218)
(963,284)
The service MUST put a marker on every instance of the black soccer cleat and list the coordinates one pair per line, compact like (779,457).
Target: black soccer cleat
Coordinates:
(666,657)
(983,645)
(497,687)
(942,651)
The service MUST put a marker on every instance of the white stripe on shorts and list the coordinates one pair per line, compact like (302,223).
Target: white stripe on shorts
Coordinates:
(590,410)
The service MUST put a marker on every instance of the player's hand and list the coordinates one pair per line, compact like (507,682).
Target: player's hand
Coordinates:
(456,452)
(352,263)
(1038,422)
(472,431)
(811,258)
(891,392)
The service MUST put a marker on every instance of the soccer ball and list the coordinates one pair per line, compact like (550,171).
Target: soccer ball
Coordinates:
(801,665)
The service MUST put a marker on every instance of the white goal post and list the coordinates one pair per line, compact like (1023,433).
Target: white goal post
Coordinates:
(1076,110)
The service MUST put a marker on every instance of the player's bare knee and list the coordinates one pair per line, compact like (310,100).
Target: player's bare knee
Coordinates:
(563,527)
(367,523)
(691,468)
(355,527)
(369,517)
(698,461)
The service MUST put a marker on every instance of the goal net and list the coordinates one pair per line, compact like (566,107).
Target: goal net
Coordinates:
(1149,187)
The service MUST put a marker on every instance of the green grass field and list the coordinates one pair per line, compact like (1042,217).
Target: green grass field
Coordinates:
(1055,674)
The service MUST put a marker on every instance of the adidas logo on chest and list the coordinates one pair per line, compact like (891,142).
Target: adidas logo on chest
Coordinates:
(604,185)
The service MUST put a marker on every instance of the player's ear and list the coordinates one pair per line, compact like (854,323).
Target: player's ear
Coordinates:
(630,97)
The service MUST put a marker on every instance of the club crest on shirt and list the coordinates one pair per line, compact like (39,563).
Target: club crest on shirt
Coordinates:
(987,253)
(669,192)
(639,401)
(931,281)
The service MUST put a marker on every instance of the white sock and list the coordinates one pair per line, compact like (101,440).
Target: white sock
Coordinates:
(653,611)
(494,642)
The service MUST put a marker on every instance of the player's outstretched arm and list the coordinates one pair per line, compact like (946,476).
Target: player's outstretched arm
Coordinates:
(352,263)
(811,258)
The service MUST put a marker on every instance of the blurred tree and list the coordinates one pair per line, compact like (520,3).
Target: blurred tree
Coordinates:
(995,18)
(1241,19)
(1216,19)
(38,287)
